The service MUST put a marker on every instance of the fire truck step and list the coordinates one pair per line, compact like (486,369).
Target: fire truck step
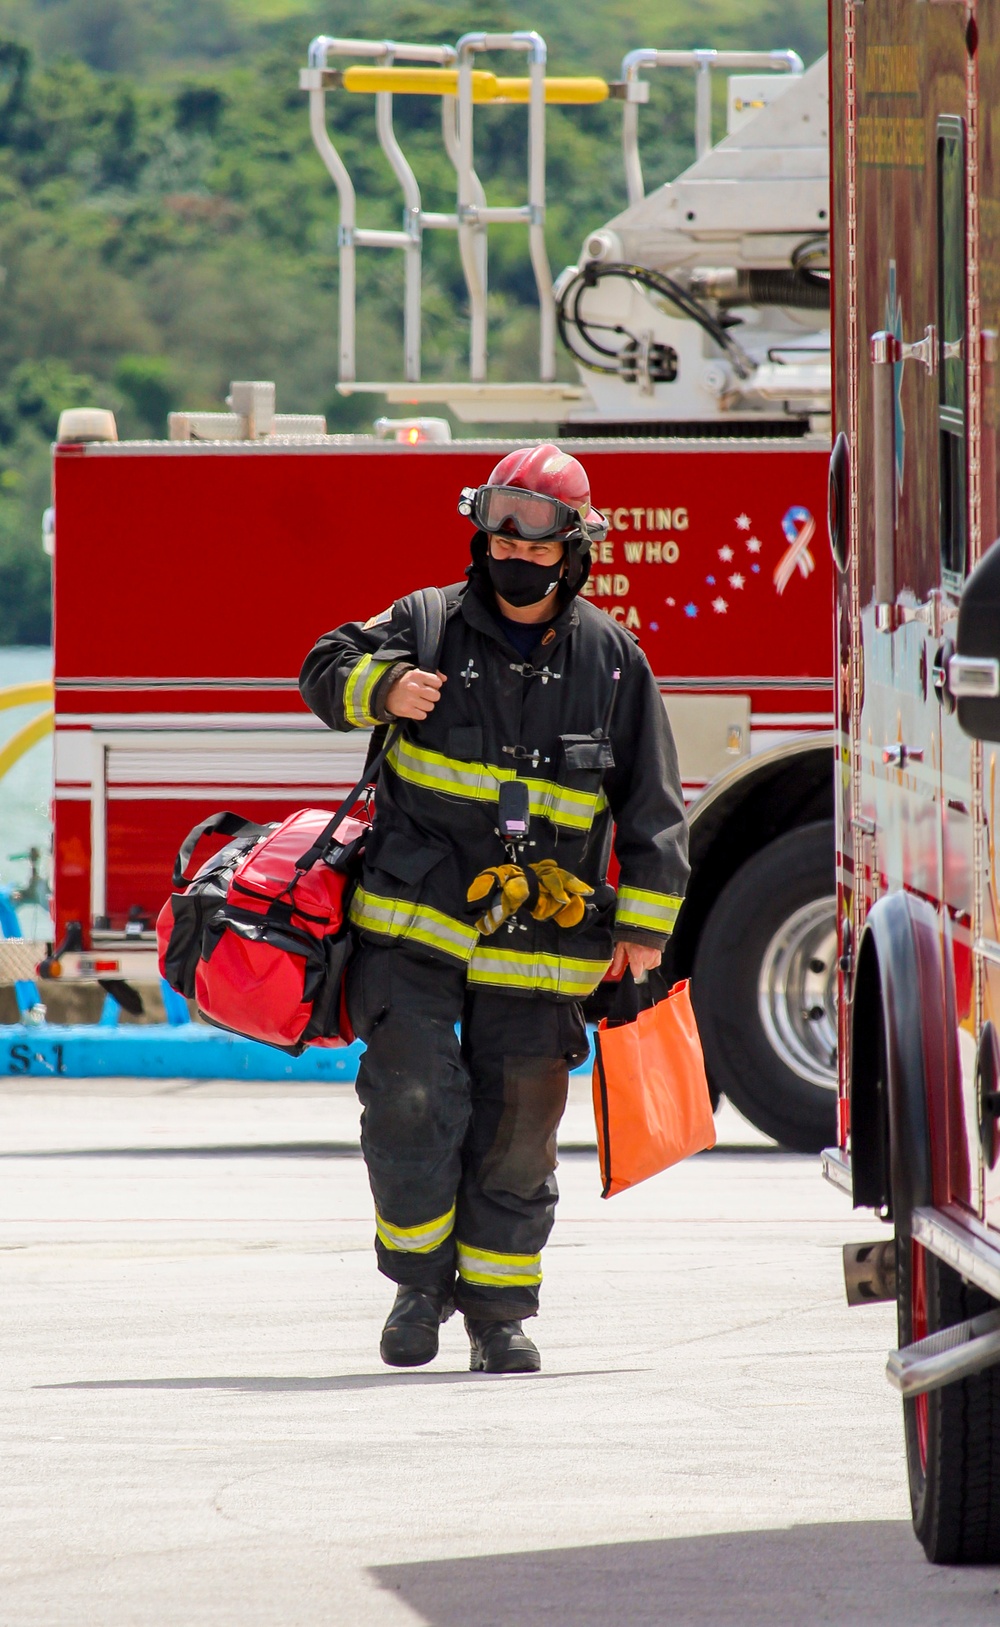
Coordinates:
(870,1271)
(954,1353)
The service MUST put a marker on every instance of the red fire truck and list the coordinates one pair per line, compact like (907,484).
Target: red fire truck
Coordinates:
(192,575)
(913,522)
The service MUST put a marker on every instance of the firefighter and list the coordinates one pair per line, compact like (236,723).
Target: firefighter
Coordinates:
(483,915)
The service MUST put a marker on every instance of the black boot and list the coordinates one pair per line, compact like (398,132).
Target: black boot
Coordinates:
(410,1335)
(501,1347)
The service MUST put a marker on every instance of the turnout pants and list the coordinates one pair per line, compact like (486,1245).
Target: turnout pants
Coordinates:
(459,1135)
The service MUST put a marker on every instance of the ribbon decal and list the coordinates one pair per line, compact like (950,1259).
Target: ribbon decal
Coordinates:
(799,528)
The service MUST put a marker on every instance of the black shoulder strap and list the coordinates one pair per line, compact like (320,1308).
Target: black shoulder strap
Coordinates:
(429,610)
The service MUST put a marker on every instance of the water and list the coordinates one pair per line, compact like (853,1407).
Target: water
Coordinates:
(26,788)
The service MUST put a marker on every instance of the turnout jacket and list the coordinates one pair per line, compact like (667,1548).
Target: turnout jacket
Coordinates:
(501,717)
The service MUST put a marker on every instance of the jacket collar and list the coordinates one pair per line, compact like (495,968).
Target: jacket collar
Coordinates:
(479,611)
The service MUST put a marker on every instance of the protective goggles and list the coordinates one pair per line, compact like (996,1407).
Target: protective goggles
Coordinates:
(531,514)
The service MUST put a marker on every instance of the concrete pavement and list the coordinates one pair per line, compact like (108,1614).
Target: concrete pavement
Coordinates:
(197,1428)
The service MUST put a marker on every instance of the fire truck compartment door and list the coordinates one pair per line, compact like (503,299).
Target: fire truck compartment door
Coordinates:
(712,732)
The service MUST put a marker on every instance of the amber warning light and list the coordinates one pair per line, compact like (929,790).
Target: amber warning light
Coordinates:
(413,431)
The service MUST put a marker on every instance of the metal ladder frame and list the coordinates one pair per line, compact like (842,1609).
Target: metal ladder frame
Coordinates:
(633,91)
(317,80)
(473,215)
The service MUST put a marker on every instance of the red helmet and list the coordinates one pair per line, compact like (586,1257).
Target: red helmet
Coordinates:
(540,492)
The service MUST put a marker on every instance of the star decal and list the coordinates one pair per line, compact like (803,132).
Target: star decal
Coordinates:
(719,606)
(736,580)
(670,602)
(710,580)
(754,545)
(690,610)
(742,522)
(725,554)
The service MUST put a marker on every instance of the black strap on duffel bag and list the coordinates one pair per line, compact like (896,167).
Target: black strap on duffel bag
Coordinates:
(181,925)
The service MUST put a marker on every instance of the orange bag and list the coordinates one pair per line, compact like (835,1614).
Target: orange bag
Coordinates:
(651,1098)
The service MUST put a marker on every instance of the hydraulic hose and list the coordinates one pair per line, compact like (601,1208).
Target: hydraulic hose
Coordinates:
(804,289)
(568,315)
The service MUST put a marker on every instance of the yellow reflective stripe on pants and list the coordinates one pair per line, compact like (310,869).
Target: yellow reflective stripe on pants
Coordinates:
(480,782)
(398,918)
(538,971)
(359,688)
(485,1269)
(653,912)
(416,1239)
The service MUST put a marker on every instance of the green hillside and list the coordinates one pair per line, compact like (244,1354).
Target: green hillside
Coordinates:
(165,223)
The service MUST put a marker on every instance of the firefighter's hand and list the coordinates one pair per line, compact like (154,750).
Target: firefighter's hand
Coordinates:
(415,694)
(640,958)
(504,889)
(560,894)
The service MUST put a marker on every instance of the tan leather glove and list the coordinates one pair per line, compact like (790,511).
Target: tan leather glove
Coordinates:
(504,888)
(560,894)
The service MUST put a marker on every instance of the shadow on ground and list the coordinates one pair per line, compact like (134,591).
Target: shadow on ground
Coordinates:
(844,1575)
(262,1383)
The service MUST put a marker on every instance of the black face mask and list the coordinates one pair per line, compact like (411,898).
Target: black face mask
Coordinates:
(521,582)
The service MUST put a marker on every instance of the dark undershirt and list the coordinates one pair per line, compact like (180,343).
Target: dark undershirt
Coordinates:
(524,635)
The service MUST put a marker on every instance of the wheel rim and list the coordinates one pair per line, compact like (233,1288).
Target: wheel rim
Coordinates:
(797,992)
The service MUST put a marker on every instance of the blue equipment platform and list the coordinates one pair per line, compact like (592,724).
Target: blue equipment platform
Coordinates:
(162,1051)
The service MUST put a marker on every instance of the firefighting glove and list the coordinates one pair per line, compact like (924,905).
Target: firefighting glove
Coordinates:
(560,895)
(503,888)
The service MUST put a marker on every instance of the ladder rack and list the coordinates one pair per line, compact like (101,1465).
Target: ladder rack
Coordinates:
(456,76)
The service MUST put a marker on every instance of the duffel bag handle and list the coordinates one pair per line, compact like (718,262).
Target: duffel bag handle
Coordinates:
(220,824)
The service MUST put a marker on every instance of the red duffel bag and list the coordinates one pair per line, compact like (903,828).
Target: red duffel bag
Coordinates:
(268,962)
(273,956)
(260,936)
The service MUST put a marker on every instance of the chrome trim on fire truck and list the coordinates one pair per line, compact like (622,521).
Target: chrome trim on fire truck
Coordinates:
(134,965)
(835,1163)
(746,682)
(332,445)
(112,682)
(752,765)
(963,1243)
(944,1357)
(988,949)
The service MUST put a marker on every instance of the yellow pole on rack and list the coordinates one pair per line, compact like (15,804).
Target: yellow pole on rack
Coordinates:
(564,92)
(486,87)
(25,737)
(40,689)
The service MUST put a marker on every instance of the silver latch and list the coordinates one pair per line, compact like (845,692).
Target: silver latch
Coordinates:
(898,755)
(922,350)
(974,677)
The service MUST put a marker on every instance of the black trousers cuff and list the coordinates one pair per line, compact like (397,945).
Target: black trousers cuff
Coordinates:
(435,1271)
(502,1307)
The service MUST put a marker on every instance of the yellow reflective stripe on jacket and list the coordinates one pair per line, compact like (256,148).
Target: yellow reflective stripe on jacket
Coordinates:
(536,970)
(398,918)
(359,689)
(653,912)
(415,1239)
(488,1270)
(480,782)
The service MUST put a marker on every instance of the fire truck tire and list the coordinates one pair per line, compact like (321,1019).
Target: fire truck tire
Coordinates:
(953,1434)
(764,985)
